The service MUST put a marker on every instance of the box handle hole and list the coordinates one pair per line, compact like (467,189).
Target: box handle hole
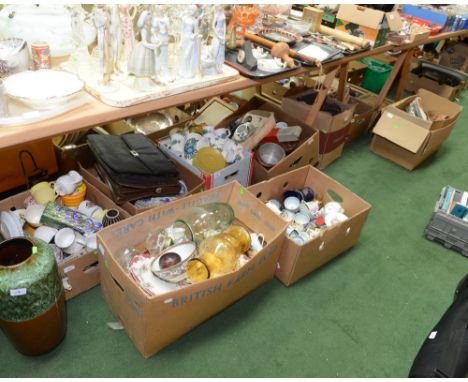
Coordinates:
(117,283)
(259,195)
(335,196)
(91,267)
(231,175)
(285,184)
(295,162)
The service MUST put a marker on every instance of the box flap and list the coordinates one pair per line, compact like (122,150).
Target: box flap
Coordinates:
(395,127)
(436,104)
(394,21)
(360,15)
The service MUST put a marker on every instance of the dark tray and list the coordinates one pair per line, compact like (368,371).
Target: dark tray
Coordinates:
(257,74)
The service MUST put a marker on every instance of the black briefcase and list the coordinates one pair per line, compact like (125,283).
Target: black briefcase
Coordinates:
(133,167)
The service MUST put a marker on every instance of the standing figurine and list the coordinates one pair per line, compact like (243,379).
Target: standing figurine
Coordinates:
(161,28)
(80,59)
(127,14)
(219,38)
(115,32)
(189,53)
(101,21)
(142,61)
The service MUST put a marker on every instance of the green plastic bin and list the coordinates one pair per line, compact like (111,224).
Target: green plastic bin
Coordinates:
(376,74)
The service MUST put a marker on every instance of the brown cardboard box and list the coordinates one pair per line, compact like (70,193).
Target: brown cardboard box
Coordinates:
(415,82)
(154,322)
(297,261)
(407,140)
(306,153)
(370,24)
(356,70)
(81,273)
(333,129)
(455,55)
(361,119)
(194,184)
(11,174)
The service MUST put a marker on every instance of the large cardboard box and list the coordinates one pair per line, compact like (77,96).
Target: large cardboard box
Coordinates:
(296,261)
(455,55)
(415,82)
(306,153)
(154,322)
(407,140)
(369,24)
(333,128)
(194,184)
(78,273)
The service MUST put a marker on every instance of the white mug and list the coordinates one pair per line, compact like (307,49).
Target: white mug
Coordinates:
(89,209)
(69,241)
(45,233)
(65,185)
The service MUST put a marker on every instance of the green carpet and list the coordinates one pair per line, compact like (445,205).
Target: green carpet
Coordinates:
(363,315)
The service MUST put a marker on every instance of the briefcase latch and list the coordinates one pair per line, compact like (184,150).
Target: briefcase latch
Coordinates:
(134,153)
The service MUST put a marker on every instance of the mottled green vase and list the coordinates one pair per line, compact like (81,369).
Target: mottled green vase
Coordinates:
(29,280)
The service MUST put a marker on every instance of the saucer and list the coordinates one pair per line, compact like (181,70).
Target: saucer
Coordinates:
(209,160)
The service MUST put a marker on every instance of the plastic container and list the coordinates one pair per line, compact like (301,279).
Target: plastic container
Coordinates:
(376,74)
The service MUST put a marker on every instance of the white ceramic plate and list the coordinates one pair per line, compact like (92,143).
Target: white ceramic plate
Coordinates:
(8,227)
(43,89)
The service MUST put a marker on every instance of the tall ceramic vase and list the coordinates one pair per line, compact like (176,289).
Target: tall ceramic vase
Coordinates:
(32,301)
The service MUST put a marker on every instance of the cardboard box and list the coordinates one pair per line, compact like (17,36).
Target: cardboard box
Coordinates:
(369,24)
(11,174)
(407,140)
(194,184)
(240,171)
(455,56)
(306,153)
(415,82)
(333,128)
(297,261)
(154,322)
(361,119)
(356,70)
(82,272)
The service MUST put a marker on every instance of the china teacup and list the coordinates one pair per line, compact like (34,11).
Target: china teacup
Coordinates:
(44,192)
(89,209)
(292,203)
(45,233)
(33,214)
(65,185)
(69,241)
(222,133)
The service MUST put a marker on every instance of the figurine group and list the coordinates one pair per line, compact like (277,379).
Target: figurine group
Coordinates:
(148,60)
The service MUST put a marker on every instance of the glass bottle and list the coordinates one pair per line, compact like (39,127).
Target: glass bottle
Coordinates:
(206,221)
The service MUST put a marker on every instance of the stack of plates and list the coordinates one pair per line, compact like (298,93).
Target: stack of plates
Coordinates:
(10,225)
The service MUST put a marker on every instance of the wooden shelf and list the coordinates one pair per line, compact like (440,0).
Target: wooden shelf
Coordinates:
(97,113)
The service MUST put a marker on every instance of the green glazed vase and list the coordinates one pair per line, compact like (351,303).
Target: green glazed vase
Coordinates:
(29,280)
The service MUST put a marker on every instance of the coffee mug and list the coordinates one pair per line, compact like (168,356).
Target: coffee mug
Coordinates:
(65,185)
(89,209)
(44,192)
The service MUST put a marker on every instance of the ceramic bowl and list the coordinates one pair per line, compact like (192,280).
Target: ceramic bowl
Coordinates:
(14,56)
(176,272)
(76,198)
(43,89)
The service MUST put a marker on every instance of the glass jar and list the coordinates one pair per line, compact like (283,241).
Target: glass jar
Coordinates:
(205,221)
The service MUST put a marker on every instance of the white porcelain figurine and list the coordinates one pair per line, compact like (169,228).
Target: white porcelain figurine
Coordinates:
(142,61)
(115,31)
(219,38)
(189,58)
(101,21)
(127,14)
(160,30)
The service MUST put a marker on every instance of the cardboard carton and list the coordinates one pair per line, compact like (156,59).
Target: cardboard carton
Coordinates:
(154,322)
(81,272)
(455,56)
(369,24)
(415,82)
(306,153)
(297,261)
(333,128)
(407,140)
(194,184)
